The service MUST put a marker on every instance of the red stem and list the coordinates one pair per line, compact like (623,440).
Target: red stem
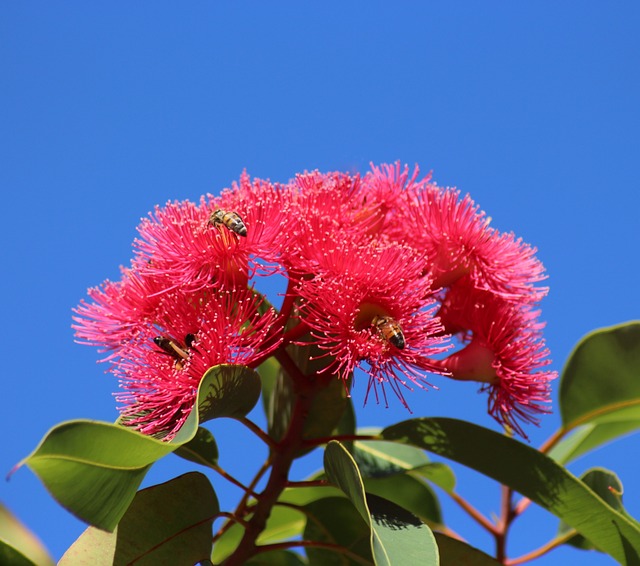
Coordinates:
(243,504)
(506,518)
(341,438)
(257,431)
(282,456)
(233,480)
(474,513)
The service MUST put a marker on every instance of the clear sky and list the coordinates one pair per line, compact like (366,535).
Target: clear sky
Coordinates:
(108,109)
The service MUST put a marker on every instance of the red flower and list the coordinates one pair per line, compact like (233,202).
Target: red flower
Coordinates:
(391,189)
(179,246)
(326,207)
(266,210)
(456,237)
(353,283)
(368,261)
(206,330)
(118,312)
(505,351)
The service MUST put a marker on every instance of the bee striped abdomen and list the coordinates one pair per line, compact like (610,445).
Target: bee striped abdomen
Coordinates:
(231,220)
(173,349)
(389,330)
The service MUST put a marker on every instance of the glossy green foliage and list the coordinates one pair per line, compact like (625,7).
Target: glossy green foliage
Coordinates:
(380,500)
(305,495)
(377,459)
(396,471)
(227,391)
(600,390)
(278,398)
(396,536)
(283,523)
(330,406)
(608,486)
(277,558)
(227,543)
(529,472)
(18,545)
(335,521)
(166,524)
(94,468)
(287,520)
(201,449)
(9,554)
(457,553)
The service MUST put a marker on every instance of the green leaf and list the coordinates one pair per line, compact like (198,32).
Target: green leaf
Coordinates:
(402,537)
(529,472)
(278,398)
(439,474)
(305,495)
(608,486)
(589,437)
(457,553)
(342,471)
(18,545)
(377,458)
(602,374)
(409,493)
(11,555)
(226,544)
(336,521)
(389,464)
(347,424)
(167,524)
(201,449)
(228,391)
(600,388)
(283,523)
(397,536)
(328,406)
(387,471)
(269,372)
(93,468)
(277,558)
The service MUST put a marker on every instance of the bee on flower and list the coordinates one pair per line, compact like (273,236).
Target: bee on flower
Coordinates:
(389,330)
(386,274)
(231,220)
(178,352)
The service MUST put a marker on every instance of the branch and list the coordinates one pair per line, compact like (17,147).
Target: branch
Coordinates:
(257,431)
(281,459)
(243,503)
(233,480)
(554,543)
(315,544)
(474,513)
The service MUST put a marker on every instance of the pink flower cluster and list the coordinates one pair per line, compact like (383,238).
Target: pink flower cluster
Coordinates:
(383,271)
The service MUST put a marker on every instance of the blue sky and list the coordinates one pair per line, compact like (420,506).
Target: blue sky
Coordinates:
(107,110)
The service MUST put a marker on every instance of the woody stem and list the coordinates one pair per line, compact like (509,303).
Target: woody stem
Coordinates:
(282,455)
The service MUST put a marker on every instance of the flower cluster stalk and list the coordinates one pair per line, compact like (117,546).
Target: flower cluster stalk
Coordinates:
(282,457)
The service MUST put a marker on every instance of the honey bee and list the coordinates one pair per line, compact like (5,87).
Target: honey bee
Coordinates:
(389,330)
(189,339)
(231,220)
(175,350)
